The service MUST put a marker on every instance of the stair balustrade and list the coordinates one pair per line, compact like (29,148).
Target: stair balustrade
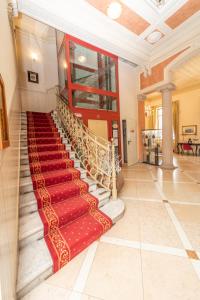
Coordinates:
(97,155)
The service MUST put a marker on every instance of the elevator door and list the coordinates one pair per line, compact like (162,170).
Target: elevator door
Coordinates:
(99,127)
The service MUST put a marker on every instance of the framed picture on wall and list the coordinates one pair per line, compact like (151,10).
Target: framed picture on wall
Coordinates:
(189,130)
(33,77)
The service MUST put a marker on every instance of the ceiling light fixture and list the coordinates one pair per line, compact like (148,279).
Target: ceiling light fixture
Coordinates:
(154,37)
(82,59)
(160,3)
(114,10)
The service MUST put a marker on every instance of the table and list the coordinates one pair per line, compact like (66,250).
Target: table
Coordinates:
(195,145)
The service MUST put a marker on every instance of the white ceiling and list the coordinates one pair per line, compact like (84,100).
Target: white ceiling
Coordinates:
(82,20)
(188,74)
(34,27)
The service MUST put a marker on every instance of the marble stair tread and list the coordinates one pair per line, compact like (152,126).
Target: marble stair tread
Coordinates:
(24,148)
(25,161)
(24,157)
(25,171)
(26,184)
(92,184)
(28,202)
(114,209)
(35,265)
(102,195)
(29,225)
(28,199)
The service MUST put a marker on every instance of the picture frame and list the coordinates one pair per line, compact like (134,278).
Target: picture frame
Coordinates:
(33,77)
(189,130)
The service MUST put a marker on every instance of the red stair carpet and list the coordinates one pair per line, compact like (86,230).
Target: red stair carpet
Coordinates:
(70,214)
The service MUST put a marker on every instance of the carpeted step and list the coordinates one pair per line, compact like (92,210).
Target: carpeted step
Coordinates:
(51,165)
(70,215)
(44,125)
(40,124)
(60,192)
(55,177)
(28,202)
(39,141)
(70,210)
(48,155)
(37,113)
(37,119)
(42,134)
(46,147)
(42,129)
(66,242)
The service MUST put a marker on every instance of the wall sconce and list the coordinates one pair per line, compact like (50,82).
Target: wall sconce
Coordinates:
(65,65)
(34,57)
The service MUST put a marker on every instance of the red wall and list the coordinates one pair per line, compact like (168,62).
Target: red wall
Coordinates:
(94,114)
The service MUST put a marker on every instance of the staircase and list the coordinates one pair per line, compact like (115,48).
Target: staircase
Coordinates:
(35,261)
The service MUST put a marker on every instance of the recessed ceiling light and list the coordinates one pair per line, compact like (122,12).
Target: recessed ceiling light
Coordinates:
(114,10)
(154,37)
(82,59)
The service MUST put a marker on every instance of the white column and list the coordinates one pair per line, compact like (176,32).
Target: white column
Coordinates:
(167,126)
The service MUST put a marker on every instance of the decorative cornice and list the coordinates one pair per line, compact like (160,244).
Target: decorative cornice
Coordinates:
(141,97)
(169,87)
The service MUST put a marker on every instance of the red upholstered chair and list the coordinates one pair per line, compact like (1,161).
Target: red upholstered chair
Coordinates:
(188,148)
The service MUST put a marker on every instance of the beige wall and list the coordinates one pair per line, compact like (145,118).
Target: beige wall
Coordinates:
(9,164)
(189,110)
(37,97)
(128,84)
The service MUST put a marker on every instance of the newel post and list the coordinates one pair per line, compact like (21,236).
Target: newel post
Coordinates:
(114,177)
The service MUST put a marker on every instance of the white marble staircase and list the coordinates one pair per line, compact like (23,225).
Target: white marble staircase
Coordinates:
(35,263)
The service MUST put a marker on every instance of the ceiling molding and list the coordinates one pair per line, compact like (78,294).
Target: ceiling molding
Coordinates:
(121,43)
(96,28)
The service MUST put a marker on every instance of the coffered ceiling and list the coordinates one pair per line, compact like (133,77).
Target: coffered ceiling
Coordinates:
(185,77)
(188,74)
(131,36)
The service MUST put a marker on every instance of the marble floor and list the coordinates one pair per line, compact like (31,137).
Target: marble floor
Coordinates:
(152,253)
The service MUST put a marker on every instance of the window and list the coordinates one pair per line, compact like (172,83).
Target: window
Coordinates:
(4,138)
(93,101)
(62,73)
(91,68)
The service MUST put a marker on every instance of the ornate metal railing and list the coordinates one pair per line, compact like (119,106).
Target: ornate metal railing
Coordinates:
(96,154)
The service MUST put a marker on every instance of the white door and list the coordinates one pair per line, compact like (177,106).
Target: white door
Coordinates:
(131,141)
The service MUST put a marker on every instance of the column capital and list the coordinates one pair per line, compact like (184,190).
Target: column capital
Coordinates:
(166,87)
(141,97)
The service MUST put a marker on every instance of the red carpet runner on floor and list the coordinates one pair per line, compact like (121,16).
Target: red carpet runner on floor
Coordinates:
(70,214)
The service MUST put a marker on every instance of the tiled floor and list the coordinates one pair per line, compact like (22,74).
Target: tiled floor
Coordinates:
(143,256)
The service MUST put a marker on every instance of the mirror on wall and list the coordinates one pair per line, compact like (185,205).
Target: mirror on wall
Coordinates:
(4,137)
